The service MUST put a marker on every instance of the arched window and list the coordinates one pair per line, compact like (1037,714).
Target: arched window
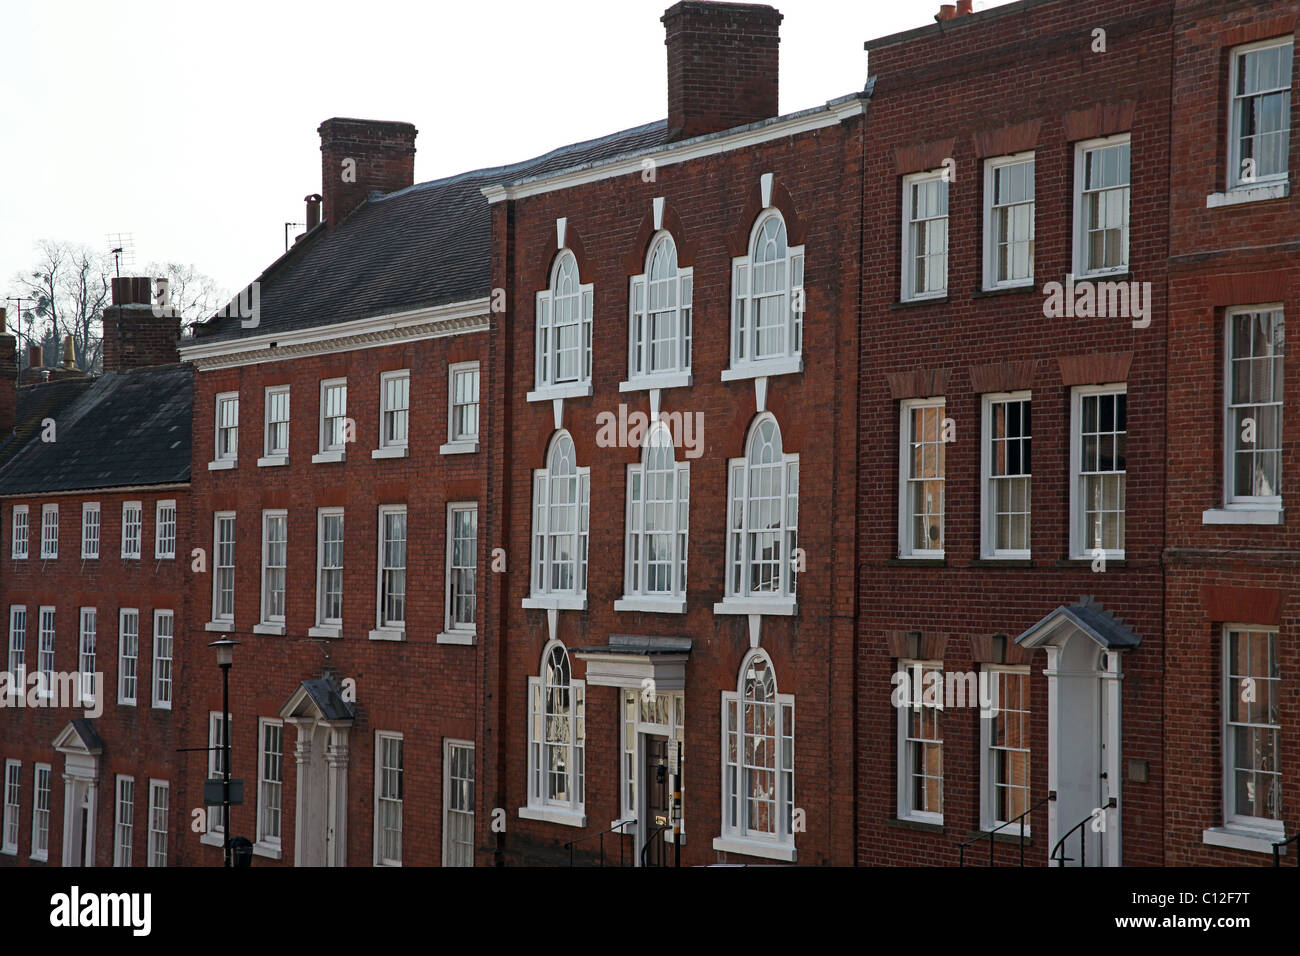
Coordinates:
(556,734)
(767,302)
(658,504)
(561,496)
(758,757)
(763,517)
(660,316)
(564,327)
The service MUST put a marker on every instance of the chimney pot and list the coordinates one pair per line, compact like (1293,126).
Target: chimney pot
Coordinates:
(132,290)
(35,356)
(965,7)
(947,11)
(69,353)
(313,210)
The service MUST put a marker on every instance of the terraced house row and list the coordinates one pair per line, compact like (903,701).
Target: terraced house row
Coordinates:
(898,481)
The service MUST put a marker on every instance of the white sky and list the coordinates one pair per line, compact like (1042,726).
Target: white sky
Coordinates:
(193,125)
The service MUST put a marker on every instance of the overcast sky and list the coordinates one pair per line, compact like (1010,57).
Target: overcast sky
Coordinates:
(192,126)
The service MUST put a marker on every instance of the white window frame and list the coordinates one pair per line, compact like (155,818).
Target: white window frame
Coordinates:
(1234,177)
(1232,690)
(739,598)
(991,168)
(330,450)
(907,546)
(988,496)
(381,859)
(45,638)
(163,677)
(1232,435)
(91,528)
(39,852)
(738,832)
(989,749)
(268,622)
(459,440)
(17,654)
(677,286)
(225,457)
(132,545)
(20,532)
(123,657)
(636,539)
(266,843)
(164,531)
(788,272)
(1078,502)
(906,783)
(156,835)
(457,632)
(449,850)
(1081,246)
(223,620)
(13,806)
(49,532)
(123,823)
(545,511)
(547,386)
(907,286)
(272,454)
(393,629)
(328,626)
(571,739)
(393,447)
(87,688)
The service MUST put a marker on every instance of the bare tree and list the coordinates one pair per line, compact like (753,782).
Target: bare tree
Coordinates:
(192,294)
(70,286)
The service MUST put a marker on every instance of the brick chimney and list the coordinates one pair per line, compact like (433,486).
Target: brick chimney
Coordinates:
(723,65)
(358,156)
(8,378)
(133,336)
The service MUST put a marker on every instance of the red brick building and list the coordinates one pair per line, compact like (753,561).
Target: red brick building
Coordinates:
(95,492)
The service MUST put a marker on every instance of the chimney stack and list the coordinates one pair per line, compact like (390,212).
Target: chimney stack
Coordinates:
(358,156)
(134,337)
(723,65)
(313,211)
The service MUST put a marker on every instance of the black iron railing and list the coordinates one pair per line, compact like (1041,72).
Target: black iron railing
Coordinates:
(1277,848)
(1058,851)
(988,835)
(616,828)
(655,851)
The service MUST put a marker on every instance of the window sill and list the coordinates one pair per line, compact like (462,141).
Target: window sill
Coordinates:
(271,851)
(223,465)
(919,300)
(40,858)
(325,630)
(1007,562)
(642,383)
(651,605)
(465,638)
(916,563)
(784,607)
(786,365)
(388,634)
(1122,273)
(458,448)
(1115,560)
(8,852)
(570,390)
(768,851)
(130,557)
(392,451)
(1261,192)
(273,461)
(1019,287)
(1242,516)
(923,556)
(567,818)
(276,629)
(557,603)
(1234,838)
(325,457)
(50,557)
(908,823)
(212,838)
(224,626)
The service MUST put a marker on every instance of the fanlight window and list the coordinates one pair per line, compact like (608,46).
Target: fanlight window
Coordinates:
(660,339)
(763,517)
(767,296)
(564,327)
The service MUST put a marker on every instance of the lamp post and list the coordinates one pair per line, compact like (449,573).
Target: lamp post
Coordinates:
(225,657)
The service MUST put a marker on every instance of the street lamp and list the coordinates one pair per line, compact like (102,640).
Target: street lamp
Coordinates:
(225,658)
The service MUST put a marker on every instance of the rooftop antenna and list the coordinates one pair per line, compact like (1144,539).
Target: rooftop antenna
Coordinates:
(287,227)
(122,246)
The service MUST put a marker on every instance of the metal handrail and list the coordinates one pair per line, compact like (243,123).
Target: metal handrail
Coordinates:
(988,835)
(1277,848)
(658,832)
(1083,842)
(592,836)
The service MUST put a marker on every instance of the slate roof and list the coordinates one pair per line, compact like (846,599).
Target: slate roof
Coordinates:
(1090,617)
(119,430)
(35,404)
(428,244)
